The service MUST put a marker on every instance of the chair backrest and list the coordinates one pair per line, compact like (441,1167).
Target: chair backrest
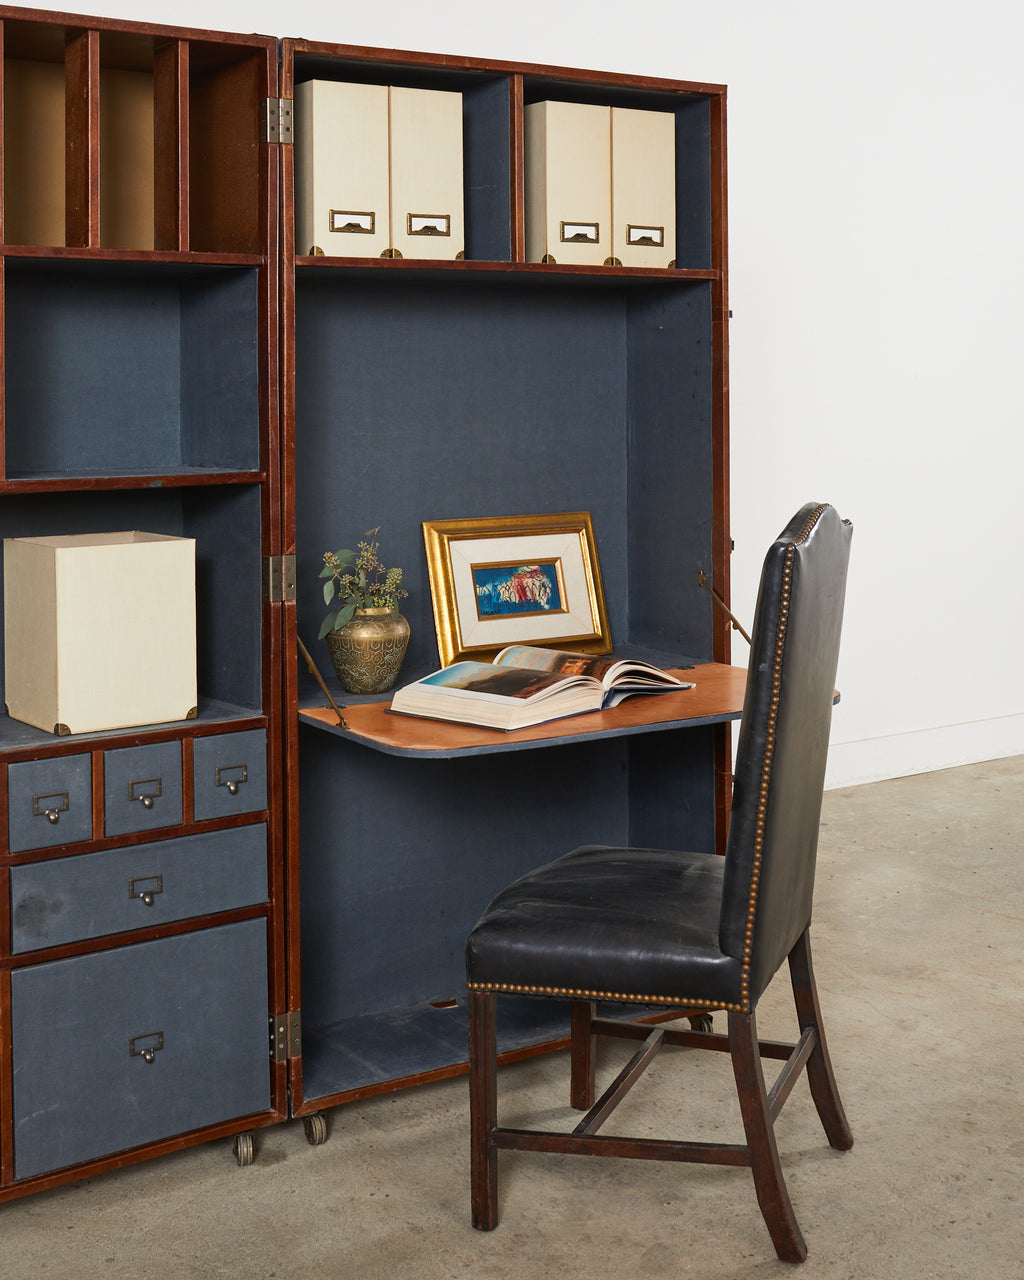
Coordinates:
(779,773)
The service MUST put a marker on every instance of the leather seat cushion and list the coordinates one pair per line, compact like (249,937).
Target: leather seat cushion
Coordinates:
(622,923)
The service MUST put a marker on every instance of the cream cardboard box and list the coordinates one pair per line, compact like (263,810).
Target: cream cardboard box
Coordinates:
(568,183)
(600,185)
(378,171)
(427,205)
(643,187)
(342,186)
(100,630)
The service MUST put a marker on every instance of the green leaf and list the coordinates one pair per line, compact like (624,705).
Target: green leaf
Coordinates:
(328,591)
(345,614)
(326,572)
(326,625)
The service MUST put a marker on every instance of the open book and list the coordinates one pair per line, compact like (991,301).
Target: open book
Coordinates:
(526,686)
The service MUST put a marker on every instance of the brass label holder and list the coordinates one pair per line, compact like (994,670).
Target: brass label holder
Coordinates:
(145,888)
(645,237)
(154,789)
(580,232)
(353,222)
(146,1046)
(41,808)
(428,224)
(240,772)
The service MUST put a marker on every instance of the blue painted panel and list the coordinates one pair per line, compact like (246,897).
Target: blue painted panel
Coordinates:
(487,140)
(693,184)
(671,492)
(400,857)
(69,899)
(230,774)
(37,789)
(134,775)
(80,1029)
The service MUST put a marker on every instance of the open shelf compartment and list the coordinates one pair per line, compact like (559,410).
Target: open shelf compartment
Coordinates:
(121,369)
(120,138)
(494,96)
(226,523)
(515,399)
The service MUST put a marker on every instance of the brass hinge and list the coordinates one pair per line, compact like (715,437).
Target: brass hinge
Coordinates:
(279,578)
(277,120)
(286,1036)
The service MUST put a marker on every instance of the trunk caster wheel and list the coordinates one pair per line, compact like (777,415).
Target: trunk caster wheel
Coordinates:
(316,1129)
(245,1149)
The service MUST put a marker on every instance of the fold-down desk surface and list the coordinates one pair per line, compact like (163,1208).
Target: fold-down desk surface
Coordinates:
(717,696)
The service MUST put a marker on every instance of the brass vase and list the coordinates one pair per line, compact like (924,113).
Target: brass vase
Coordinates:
(368,651)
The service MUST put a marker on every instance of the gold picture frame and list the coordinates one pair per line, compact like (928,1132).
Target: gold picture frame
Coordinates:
(515,580)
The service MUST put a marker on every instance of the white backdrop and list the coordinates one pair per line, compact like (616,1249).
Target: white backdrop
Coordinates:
(876,220)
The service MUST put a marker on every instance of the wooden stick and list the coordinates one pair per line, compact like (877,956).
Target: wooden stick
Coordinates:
(702,581)
(320,681)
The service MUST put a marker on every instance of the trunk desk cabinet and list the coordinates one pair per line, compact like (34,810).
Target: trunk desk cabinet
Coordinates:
(280,929)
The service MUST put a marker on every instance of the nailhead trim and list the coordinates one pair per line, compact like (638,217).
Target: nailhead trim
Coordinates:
(759,829)
(769,751)
(576,994)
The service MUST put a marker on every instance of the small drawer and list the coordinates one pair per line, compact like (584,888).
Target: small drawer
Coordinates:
(70,899)
(124,1047)
(50,802)
(142,788)
(230,772)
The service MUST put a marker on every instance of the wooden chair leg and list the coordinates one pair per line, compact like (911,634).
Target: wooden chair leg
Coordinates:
(819,1065)
(769,1184)
(582,1091)
(483,1109)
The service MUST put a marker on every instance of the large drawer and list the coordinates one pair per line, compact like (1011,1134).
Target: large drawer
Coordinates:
(69,899)
(124,1047)
(50,802)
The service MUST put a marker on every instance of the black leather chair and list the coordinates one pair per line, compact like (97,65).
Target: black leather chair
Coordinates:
(691,931)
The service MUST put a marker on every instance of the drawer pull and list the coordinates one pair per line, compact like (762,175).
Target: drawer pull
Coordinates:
(154,789)
(145,888)
(147,1046)
(241,773)
(41,806)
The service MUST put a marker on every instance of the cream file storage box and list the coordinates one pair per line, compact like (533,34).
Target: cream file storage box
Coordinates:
(568,183)
(100,630)
(426,174)
(378,171)
(341,169)
(600,185)
(643,187)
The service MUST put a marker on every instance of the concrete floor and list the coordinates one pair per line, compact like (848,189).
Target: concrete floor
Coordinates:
(919,929)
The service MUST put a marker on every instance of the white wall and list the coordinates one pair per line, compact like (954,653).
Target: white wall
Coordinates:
(877,273)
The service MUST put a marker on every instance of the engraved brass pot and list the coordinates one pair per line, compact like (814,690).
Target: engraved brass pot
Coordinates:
(368,651)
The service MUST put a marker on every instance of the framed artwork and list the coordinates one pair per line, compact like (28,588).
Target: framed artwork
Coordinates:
(515,580)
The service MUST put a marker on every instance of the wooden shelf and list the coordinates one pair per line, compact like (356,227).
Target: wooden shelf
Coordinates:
(131,257)
(20,741)
(531,271)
